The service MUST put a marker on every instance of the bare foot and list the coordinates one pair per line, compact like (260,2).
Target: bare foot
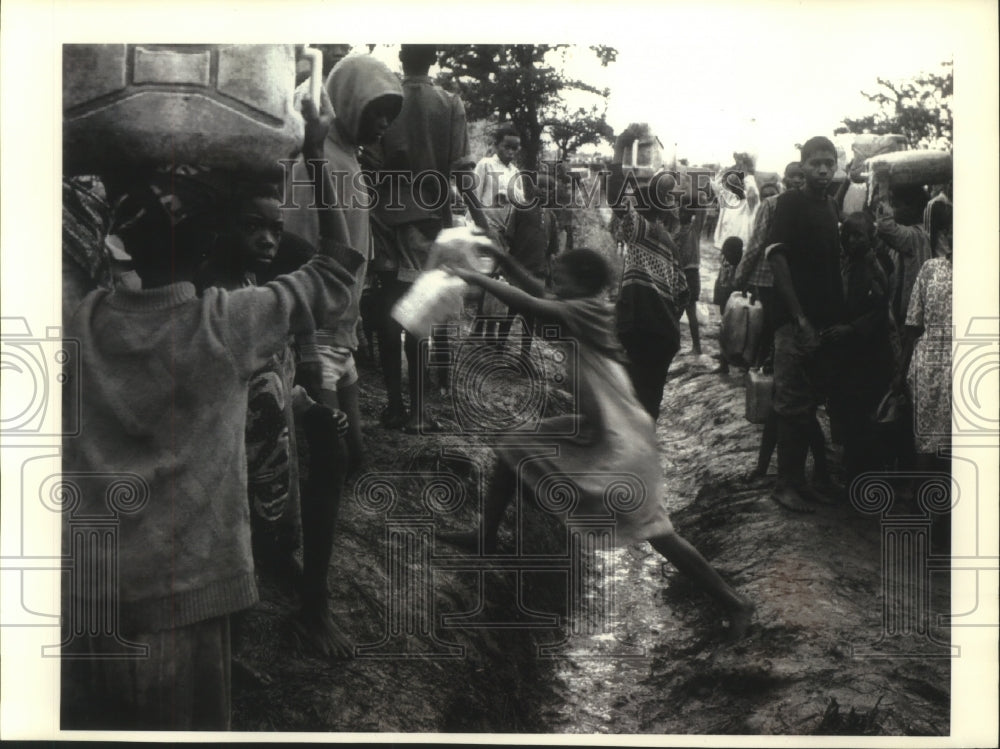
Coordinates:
(740,620)
(315,630)
(788,498)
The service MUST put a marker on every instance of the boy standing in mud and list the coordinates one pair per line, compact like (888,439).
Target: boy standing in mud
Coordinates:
(804,253)
(366,97)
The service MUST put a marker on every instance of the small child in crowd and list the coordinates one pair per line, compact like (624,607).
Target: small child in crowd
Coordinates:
(862,356)
(725,283)
(615,435)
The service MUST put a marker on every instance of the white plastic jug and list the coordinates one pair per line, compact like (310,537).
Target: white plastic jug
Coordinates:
(435,298)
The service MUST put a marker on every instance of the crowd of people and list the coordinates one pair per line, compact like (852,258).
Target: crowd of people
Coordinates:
(843,308)
(218,315)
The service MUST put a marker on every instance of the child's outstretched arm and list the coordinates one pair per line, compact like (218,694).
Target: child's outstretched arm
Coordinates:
(518,300)
(517,273)
(333,232)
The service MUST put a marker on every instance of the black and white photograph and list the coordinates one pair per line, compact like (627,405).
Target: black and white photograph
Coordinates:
(438,384)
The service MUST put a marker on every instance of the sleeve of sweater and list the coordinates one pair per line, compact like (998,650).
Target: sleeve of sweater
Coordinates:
(902,239)
(255,322)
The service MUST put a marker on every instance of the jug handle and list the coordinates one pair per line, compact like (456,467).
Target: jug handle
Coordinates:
(315,57)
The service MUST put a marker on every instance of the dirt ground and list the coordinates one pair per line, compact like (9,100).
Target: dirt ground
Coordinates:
(600,641)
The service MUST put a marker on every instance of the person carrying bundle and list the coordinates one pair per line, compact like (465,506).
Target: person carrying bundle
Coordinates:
(168,377)
(654,291)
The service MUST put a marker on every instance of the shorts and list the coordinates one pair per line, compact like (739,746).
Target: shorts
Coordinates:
(800,373)
(339,370)
(693,276)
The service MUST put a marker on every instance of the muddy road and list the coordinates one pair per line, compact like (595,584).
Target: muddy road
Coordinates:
(558,640)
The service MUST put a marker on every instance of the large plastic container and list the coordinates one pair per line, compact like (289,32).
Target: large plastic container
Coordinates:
(867,145)
(760,393)
(924,167)
(223,106)
(742,325)
(645,156)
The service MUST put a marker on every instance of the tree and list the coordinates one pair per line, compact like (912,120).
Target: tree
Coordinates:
(919,109)
(515,82)
(572,130)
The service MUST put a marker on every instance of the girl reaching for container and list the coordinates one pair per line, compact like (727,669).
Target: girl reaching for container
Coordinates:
(610,435)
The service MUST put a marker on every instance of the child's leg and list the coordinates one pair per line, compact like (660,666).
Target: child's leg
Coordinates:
(419,419)
(350,405)
(441,345)
(692,315)
(498,496)
(768,441)
(792,449)
(320,506)
(689,561)
(390,353)
(817,446)
(693,276)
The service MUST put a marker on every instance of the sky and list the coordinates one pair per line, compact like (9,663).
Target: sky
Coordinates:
(757,77)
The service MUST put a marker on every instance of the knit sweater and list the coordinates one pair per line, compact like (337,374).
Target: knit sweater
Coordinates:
(164,380)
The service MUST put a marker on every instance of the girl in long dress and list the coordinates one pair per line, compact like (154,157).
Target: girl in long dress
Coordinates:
(610,435)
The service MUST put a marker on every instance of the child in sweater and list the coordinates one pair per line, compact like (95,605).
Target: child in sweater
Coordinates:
(167,378)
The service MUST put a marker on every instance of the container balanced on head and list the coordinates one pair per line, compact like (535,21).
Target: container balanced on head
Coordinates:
(169,374)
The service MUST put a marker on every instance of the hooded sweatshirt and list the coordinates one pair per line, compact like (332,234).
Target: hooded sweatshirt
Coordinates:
(352,84)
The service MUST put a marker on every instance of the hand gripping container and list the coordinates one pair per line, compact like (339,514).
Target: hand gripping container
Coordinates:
(759,395)
(224,106)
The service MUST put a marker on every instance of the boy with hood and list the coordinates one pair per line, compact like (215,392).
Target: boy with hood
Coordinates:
(366,97)
(429,137)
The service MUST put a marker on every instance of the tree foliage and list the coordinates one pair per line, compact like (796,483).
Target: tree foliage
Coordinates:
(519,83)
(570,131)
(919,109)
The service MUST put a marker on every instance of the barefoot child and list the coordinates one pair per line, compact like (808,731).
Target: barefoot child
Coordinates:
(614,433)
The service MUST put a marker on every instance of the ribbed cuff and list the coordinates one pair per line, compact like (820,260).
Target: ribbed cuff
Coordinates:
(214,599)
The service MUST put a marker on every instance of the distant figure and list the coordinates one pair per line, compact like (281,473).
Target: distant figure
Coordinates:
(498,188)
(652,296)
(738,200)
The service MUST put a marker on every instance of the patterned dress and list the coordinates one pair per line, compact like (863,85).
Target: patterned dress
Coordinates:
(930,375)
